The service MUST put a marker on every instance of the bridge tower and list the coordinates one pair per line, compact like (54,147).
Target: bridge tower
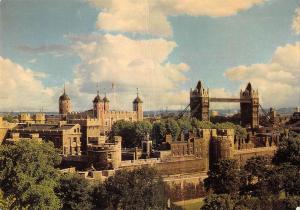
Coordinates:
(199,102)
(249,107)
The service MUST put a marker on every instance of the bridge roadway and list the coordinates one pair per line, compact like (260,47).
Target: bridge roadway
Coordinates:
(230,100)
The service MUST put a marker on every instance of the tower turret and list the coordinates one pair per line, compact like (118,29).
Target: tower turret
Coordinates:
(65,105)
(98,105)
(106,103)
(138,107)
(249,107)
(199,102)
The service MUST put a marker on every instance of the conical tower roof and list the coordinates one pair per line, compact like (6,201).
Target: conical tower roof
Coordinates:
(97,99)
(105,99)
(137,99)
(64,96)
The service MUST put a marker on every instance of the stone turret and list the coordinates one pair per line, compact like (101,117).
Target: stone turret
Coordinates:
(222,145)
(138,107)
(106,103)
(98,106)
(199,102)
(249,107)
(65,105)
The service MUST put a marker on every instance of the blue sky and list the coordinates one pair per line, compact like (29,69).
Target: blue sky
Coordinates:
(35,34)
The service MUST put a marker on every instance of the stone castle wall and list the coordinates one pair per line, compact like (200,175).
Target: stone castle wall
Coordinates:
(241,156)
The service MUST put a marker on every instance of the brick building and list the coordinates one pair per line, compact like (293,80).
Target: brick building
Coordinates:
(65,137)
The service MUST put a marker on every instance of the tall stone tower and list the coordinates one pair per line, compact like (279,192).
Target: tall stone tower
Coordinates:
(249,107)
(106,103)
(65,105)
(199,102)
(138,107)
(98,106)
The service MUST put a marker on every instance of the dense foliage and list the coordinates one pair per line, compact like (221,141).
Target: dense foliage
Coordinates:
(259,184)
(74,192)
(9,118)
(225,174)
(289,150)
(137,189)
(133,132)
(28,174)
(29,179)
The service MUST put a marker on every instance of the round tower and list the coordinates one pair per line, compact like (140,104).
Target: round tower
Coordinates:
(222,145)
(65,105)
(106,103)
(98,105)
(138,107)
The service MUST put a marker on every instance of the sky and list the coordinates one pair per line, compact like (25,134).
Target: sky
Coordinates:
(161,47)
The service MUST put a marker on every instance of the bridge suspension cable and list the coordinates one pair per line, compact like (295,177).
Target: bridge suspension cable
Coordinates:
(180,115)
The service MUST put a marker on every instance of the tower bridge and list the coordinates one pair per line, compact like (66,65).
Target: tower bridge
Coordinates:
(249,104)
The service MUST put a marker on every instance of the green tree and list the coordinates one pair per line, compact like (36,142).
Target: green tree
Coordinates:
(137,189)
(9,118)
(202,124)
(100,196)
(159,132)
(185,124)
(223,178)
(74,192)
(239,130)
(132,133)
(125,129)
(257,167)
(218,202)
(258,177)
(141,130)
(288,150)
(289,175)
(28,174)
(172,128)
(5,202)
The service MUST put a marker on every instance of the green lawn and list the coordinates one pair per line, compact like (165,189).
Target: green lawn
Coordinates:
(193,204)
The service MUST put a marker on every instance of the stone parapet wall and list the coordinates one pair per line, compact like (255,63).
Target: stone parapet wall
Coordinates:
(244,154)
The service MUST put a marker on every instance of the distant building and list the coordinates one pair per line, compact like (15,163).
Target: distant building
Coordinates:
(249,104)
(65,137)
(38,118)
(101,112)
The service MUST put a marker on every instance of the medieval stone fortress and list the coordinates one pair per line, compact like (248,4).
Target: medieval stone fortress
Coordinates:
(87,147)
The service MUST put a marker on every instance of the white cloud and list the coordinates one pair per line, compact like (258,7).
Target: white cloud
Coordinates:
(151,17)
(296,22)
(57,50)
(32,60)
(22,90)
(278,80)
(128,64)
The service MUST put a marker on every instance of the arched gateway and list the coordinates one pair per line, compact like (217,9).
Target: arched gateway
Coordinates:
(249,103)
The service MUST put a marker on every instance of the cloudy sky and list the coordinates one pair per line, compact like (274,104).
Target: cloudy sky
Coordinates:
(162,47)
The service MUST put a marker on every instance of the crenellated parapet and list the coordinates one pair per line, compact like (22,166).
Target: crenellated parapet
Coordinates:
(249,92)
(199,91)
